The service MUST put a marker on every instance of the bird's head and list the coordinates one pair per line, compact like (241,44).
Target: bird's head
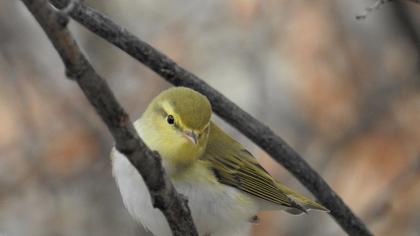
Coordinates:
(177,124)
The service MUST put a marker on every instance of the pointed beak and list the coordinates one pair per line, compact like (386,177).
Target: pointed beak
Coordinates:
(191,135)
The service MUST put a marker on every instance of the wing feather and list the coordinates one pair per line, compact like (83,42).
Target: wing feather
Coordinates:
(235,166)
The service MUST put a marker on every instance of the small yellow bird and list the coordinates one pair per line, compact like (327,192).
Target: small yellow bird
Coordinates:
(223,182)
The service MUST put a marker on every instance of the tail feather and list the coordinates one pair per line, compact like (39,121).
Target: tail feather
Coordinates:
(302,201)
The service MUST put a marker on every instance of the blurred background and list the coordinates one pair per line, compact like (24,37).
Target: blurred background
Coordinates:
(345,93)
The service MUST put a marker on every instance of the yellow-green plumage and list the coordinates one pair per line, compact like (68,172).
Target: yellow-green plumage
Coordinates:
(189,107)
(223,181)
(235,166)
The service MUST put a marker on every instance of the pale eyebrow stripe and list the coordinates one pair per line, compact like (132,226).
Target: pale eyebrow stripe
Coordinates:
(166,109)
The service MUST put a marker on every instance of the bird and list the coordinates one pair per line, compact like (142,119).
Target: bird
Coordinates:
(224,183)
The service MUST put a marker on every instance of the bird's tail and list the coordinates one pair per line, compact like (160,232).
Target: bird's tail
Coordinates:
(304,202)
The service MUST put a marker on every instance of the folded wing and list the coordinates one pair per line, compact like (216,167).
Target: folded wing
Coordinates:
(235,166)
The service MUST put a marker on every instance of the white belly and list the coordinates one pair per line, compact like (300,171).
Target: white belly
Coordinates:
(225,212)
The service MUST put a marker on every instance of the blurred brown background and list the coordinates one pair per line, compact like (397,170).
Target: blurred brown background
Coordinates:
(344,93)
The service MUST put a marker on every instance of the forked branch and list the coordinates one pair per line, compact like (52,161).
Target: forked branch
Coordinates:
(127,141)
(248,125)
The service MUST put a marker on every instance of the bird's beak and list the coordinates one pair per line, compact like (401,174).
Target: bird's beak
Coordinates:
(191,135)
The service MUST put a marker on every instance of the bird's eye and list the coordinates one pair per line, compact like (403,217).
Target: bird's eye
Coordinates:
(170,119)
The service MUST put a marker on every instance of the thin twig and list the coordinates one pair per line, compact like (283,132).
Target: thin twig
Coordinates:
(244,122)
(376,5)
(164,195)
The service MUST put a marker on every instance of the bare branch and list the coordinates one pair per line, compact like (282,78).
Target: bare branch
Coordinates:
(376,5)
(164,195)
(248,125)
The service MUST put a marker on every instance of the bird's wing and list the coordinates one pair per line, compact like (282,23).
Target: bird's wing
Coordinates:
(233,165)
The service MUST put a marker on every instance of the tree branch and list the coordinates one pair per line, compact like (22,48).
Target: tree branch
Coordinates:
(148,163)
(377,4)
(248,125)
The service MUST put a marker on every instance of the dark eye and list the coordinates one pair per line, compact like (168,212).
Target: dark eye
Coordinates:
(170,119)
